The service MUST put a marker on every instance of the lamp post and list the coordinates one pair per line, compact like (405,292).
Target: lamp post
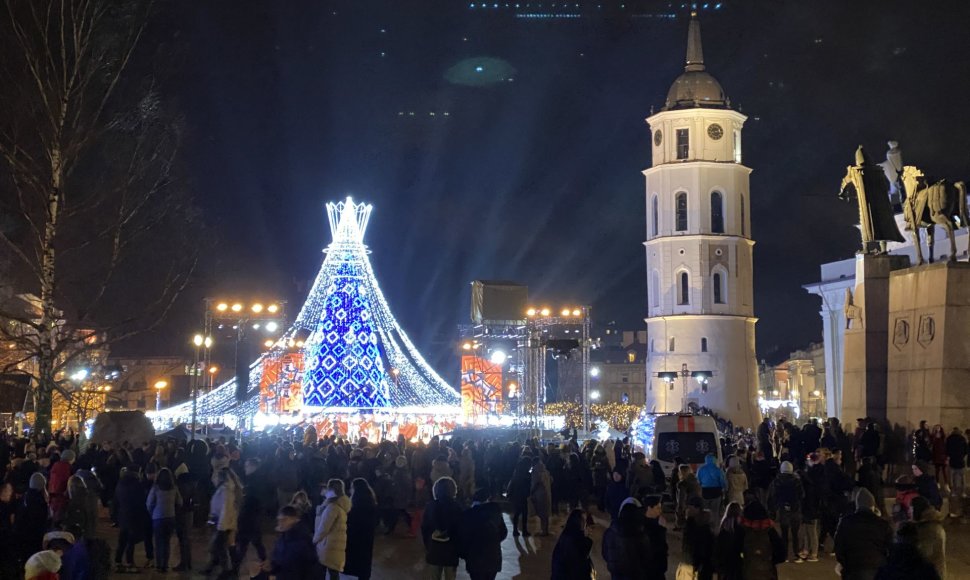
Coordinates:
(199,341)
(159,386)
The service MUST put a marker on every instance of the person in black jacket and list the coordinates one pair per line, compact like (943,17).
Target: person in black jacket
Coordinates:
(31,520)
(130,513)
(570,557)
(256,492)
(440,529)
(812,484)
(616,492)
(785,501)
(698,541)
(729,544)
(293,557)
(905,560)
(626,546)
(956,454)
(863,539)
(926,484)
(657,535)
(481,531)
(519,489)
(361,525)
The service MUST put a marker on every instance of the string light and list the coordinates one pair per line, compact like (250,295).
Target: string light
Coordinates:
(351,338)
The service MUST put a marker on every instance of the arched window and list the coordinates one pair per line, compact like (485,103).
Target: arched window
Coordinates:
(655,216)
(672,345)
(684,289)
(742,214)
(717,212)
(704,344)
(681,218)
(655,289)
(718,283)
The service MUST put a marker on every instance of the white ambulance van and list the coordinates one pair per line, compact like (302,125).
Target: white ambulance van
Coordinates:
(689,437)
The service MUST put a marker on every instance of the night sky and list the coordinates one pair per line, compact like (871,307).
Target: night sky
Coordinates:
(529,169)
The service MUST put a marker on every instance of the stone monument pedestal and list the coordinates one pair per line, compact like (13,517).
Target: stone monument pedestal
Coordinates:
(929,346)
(864,381)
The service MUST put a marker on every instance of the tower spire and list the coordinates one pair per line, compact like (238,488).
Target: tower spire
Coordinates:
(695,52)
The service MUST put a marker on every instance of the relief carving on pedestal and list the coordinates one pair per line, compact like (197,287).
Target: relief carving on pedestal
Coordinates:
(901,333)
(927,331)
(852,312)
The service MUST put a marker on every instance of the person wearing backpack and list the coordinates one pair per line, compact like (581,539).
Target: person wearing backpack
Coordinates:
(762,549)
(785,500)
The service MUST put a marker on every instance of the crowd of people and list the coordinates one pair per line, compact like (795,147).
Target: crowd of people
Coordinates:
(785,494)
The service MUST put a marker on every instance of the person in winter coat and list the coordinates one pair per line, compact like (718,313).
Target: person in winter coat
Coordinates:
(77,519)
(403,492)
(761,549)
(926,484)
(737,481)
(256,493)
(862,540)
(330,529)
(956,455)
(626,546)
(92,494)
(541,494)
(518,493)
(440,468)
(729,544)
(384,492)
(698,542)
(570,557)
(57,486)
(466,476)
(785,501)
(938,445)
(869,476)
(687,488)
(440,530)
(639,476)
(9,556)
(130,514)
(616,492)
(905,560)
(361,525)
(162,502)
(224,513)
(293,556)
(930,535)
(482,530)
(713,485)
(812,484)
(657,535)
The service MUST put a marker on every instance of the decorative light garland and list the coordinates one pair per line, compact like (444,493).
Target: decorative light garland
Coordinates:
(643,430)
(352,337)
(618,416)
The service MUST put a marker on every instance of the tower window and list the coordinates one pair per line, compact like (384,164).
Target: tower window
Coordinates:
(742,214)
(717,213)
(684,289)
(655,216)
(737,146)
(683,143)
(672,345)
(718,288)
(654,289)
(704,344)
(681,217)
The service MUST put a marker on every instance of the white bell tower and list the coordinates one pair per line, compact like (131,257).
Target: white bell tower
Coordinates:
(699,251)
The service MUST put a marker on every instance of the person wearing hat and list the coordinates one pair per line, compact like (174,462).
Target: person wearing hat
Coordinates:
(31,521)
(43,565)
(481,531)
(862,540)
(785,497)
(57,485)
(926,484)
(75,560)
(761,546)
(626,547)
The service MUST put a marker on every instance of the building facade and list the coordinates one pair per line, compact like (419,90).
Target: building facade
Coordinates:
(699,250)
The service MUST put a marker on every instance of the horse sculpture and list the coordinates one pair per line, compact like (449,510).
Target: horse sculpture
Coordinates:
(927,205)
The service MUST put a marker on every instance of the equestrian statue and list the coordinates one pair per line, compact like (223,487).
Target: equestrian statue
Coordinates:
(929,204)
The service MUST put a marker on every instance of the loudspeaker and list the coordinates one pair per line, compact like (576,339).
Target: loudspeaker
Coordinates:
(242,368)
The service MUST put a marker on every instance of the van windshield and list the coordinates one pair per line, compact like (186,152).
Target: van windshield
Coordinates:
(690,447)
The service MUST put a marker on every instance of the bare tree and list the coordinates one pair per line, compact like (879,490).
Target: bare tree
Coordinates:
(95,226)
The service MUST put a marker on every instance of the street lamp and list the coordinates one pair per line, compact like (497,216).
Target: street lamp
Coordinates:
(702,378)
(159,386)
(595,395)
